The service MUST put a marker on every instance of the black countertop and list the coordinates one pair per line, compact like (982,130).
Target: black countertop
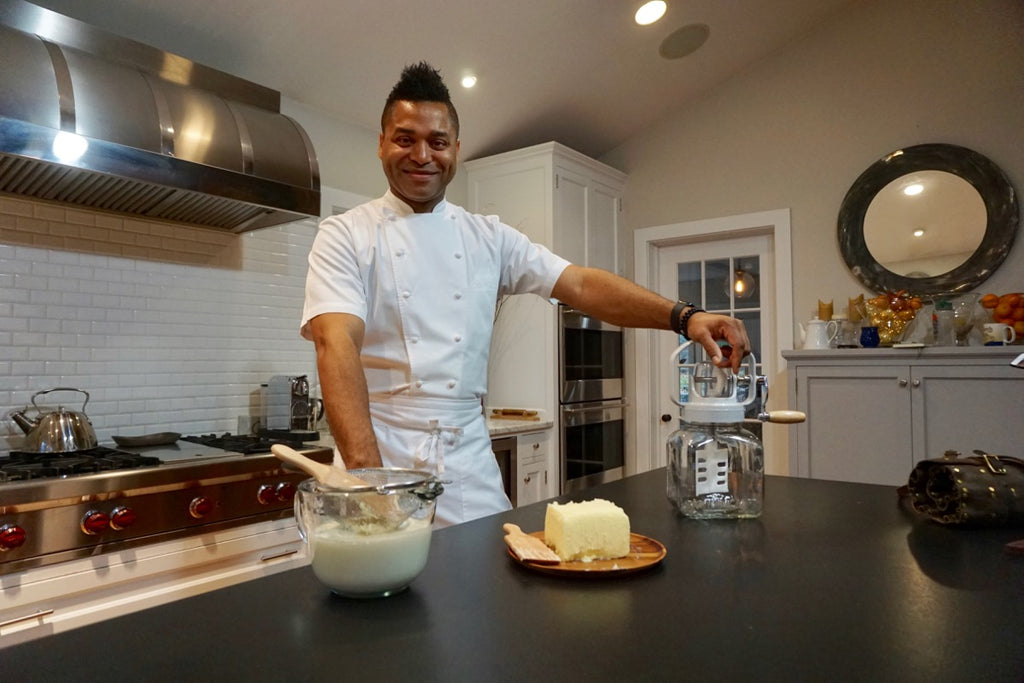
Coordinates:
(836,581)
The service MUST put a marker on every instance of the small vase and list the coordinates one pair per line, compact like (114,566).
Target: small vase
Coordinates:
(869,337)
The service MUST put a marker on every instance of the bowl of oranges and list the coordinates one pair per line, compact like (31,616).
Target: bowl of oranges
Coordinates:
(891,313)
(1007,309)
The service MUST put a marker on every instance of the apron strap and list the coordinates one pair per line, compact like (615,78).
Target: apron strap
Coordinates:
(433,446)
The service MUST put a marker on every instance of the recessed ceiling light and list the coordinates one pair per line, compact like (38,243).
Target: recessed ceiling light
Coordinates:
(650,12)
(468,81)
(684,41)
(919,232)
(911,190)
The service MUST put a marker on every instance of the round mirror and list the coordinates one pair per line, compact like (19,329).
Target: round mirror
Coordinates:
(929,219)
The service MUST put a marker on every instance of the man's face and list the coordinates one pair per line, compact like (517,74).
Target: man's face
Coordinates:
(419,150)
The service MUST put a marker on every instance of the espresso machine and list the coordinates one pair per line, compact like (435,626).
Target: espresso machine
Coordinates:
(287,406)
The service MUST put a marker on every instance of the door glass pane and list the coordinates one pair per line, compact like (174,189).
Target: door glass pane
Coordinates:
(752,321)
(689,281)
(717,276)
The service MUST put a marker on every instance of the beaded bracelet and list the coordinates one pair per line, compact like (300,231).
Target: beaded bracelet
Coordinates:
(679,323)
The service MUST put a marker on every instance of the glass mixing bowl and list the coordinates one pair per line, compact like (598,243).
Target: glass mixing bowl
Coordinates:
(369,541)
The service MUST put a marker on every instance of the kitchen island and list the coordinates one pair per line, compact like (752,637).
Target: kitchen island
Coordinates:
(836,581)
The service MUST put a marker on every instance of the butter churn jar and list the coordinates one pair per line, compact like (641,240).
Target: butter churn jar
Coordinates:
(715,465)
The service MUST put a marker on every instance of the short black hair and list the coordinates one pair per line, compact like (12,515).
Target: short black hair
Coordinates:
(420,83)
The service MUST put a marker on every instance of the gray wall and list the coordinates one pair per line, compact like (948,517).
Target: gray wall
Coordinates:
(796,130)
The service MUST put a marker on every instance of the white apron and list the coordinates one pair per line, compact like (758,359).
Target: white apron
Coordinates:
(433,420)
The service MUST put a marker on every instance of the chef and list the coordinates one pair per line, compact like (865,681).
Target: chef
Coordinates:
(400,300)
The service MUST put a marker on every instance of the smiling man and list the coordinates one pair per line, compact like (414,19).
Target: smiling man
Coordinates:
(400,300)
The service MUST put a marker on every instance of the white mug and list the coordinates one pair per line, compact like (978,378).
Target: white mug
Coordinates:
(998,334)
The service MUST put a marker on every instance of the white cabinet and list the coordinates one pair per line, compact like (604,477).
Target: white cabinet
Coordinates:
(533,465)
(873,413)
(560,198)
(570,204)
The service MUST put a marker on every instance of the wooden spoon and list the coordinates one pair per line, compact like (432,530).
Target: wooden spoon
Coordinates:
(379,509)
(329,475)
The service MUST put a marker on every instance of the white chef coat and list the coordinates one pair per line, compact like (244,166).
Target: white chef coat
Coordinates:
(426,286)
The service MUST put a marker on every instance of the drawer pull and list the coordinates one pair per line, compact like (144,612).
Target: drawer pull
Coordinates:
(29,617)
(286,553)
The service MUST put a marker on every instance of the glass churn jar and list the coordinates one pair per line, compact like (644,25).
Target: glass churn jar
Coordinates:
(715,465)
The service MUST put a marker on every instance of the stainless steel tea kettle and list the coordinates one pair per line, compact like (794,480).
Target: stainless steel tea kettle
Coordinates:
(58,431)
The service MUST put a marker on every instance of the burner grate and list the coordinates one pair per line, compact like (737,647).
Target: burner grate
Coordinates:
(22,465)
(249,444)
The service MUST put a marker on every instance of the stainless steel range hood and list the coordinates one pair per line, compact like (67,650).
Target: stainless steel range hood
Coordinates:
(95,120)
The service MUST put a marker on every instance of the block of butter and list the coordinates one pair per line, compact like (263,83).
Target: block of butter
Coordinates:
(591,530)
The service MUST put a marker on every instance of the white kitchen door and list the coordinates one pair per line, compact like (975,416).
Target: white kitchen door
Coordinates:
(731,266)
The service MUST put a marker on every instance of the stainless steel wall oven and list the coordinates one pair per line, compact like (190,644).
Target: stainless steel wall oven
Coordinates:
(592,409)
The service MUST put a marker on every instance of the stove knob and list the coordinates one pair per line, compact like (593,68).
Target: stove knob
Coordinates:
(11,536)
(285,492)
(266,495)
(122,518)
(200,507)
(95,522)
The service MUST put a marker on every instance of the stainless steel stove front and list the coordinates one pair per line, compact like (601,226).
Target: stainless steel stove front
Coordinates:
(53,520)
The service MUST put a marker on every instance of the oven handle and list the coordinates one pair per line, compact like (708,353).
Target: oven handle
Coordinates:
(592,408)
(572,319)
(577,416)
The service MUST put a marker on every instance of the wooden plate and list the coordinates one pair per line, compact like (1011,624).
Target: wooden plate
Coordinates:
(644,552)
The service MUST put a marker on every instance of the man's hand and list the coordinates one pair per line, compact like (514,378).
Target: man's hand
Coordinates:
(707,328)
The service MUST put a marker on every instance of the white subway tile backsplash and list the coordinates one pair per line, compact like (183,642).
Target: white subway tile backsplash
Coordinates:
(169,328)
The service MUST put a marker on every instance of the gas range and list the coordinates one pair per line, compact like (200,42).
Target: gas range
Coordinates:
(20,466)
(59,507)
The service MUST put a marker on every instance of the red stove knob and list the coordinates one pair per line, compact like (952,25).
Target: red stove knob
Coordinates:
(266,495)
(200,507)
(285,492)
(122,518)
(95,522)
(11,536)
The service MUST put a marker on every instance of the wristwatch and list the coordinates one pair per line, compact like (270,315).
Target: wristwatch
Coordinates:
(680,321)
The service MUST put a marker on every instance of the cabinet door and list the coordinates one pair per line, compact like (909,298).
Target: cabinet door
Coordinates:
(519,197)
(571,216)
(603,227)
(586,220)
(532,453)
(858,424)
(966,408)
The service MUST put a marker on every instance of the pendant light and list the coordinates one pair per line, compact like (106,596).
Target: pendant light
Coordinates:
(741,284)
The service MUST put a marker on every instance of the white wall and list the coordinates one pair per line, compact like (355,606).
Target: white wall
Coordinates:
(169,328)
(797,129)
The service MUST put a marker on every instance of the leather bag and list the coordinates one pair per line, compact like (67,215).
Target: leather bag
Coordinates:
(977,490)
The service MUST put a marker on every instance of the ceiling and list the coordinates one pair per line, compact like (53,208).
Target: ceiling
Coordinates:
(580,72)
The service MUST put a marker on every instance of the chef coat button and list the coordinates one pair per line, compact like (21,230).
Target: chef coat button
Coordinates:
(458,337)
(414,340)
(406,294)
(458,255)
(451,384)
(400,253)
(419,383)
(458,295)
